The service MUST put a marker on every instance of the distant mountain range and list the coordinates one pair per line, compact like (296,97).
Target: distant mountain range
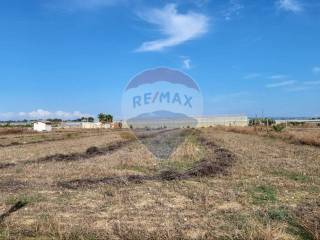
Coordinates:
(161,115)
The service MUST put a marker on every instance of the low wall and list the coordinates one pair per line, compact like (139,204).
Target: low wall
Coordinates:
(189,122)
(240,121)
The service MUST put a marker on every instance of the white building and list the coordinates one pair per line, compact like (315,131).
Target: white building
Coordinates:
(42,127)
(223,120)
(286,121)
(71,125)
(94,125)
(231,120)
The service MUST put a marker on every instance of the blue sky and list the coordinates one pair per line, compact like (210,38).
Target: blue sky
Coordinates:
(67,58)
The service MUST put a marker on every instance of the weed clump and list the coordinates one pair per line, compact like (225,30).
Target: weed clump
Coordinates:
(278,127)
(264,194)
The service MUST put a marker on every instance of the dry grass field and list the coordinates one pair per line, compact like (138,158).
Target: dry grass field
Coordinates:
(210,183)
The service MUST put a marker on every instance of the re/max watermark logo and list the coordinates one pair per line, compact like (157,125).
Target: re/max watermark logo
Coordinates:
(162,97)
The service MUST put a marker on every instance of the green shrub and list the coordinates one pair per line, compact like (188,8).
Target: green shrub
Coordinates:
(278,214)
(278,127)
(261,121)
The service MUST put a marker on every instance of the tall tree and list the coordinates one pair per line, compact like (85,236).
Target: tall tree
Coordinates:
(105,118)
(101,117)
(90,119)
(109,118)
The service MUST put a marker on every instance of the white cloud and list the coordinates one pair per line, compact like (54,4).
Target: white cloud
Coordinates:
(186,63)
(252,75)
(290,5)
(233,10)
(176,27)
(316,70)
(277,77)
(42,114)
(280,84)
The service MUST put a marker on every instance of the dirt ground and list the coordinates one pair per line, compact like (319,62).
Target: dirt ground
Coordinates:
(166,184)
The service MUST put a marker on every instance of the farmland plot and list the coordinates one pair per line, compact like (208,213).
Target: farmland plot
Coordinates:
(165,184)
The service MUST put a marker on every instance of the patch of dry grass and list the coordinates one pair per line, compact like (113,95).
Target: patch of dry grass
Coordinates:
(9,131)
(261,196)
(307,216)
(292,135)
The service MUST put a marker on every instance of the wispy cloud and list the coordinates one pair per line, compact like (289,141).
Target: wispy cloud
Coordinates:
(312,83)
(316,70)
(298,89)
(186,62)
(73,5)
(176,27)
(280,84)
(277,77)
(233,9)
(252,75)
(41,114)
(290,5)
(304,86)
